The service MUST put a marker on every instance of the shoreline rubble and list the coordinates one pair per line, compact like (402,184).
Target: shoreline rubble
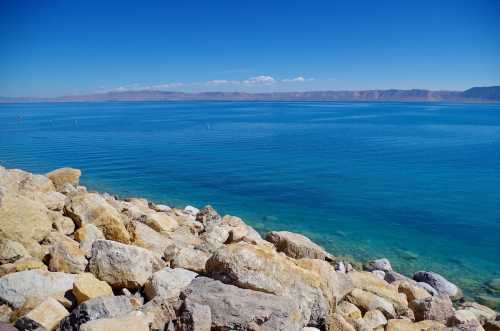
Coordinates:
(76,260)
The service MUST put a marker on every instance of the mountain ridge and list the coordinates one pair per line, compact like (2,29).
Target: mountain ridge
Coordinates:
(474,94)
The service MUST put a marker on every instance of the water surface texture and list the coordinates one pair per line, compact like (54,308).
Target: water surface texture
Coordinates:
(418,183)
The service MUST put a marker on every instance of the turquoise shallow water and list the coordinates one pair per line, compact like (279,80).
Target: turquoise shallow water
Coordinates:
(418,183)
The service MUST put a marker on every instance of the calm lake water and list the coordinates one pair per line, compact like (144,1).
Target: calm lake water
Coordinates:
(418,183)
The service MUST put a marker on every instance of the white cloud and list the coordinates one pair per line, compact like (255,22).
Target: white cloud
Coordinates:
(260,80)
(298,79)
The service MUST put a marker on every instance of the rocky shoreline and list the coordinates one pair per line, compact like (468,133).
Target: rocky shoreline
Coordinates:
(77,260)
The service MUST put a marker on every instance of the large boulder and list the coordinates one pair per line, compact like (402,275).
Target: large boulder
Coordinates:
(160,311)
(62,223)
(407,325)
(87,286)
(296,245)
(482,313)
(93,208)
(145,237)
(168,283)
(63,176)
(412,291)
(378,264)
(263,269)
(436,308)
(97,308)
(27,225)
(465,319)
(368,301)
(374,319)
(208,216)
(438,282)
(65,255)
(233,308)
(371,283)
(16,287)
(86,235)
(46,316)
(195,317)
(136,321)
(337,322)
(122,266)
(11,251)
(191,258)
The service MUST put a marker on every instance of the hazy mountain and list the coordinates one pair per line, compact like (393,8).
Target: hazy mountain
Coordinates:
(475,94)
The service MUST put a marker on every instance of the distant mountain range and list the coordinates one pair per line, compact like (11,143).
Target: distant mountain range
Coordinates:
(475,94)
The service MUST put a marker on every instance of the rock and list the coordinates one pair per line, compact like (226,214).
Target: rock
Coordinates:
(296,245)
(492,326)
(168,283)
(46,315)
(92,208)
(161,222)
(145,237)
(63,176)
(96,308)
(412,292)
(406,325)
(7,327)
(61,223)
(195,317)
(481,312)
(494,284)
(86,287)
(208,216)
(336,322)
(233,308)
(122,266)
(191,210)
(308,328)
(161,208)
(135,321)
(379,264)
(263,269)
(441,284)
(191,259)
(392,276)
(16,287)
(11,251)
(465,319)
(379,273)
(29,263)
(489,300)
(24,183)
(160,312)
(374,319)
(371,283)
(66,256)
(5,313)
(427,287)
(348,310)
(436,308)
(26,225)
(368,301)
(86,235)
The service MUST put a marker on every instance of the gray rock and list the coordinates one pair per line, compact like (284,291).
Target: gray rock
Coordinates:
(11,251)
(191,258)
(233,308)
(379,264)
(195,317)
(296,245)
(427,287)
(122,266)
(441,284)
(437,308)
(96,308)
(4,326)
(160,311)
(16,287)
(207,216)
(392,276)
(168,283)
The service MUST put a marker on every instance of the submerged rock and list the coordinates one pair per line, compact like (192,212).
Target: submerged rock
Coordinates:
(233,308)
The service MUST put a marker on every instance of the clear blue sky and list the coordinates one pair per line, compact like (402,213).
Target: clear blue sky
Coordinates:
(50,48)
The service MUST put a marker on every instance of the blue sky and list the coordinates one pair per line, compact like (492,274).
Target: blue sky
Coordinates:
(50,48)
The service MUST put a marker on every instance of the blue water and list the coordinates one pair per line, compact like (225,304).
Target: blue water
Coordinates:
(418,183)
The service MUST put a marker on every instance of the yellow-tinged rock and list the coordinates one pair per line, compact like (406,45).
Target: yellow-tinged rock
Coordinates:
(335,322)
(406,325)
(412,292)
(64,176)
(27,225)
(28,263)
(92,208)
(47,314)
(87,286)
(371,283)
(348,310)
(136,321)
